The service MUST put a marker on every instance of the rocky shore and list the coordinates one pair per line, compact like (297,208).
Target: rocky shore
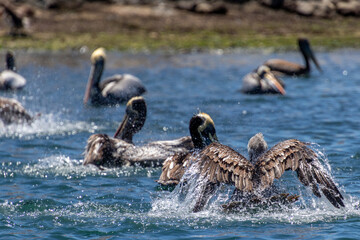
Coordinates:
(185,24)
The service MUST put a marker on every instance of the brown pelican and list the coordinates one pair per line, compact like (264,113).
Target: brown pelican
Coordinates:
(9,79)
(281,67)
(115,89)
(262,81)
(11,111)
(104,151)
(202,131)
(218,163)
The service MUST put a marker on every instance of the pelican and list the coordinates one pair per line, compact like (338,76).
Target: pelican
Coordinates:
(115,89)
(104,151)
(218,163)
(283,67)
(202,132)
(262,81)
(9,79)
(11,111)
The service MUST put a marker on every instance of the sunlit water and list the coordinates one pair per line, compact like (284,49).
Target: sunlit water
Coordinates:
(47,193)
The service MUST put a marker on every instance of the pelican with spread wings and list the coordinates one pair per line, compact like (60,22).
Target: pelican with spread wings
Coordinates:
(202,132)
(218,163)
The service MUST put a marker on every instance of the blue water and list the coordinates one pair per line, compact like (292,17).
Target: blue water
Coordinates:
(46,192)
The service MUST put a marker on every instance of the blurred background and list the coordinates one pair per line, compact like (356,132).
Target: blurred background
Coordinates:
(170,24)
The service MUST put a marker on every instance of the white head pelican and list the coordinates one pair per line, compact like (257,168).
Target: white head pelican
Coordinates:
(115,89)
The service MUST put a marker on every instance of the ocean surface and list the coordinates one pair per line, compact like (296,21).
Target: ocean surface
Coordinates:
(46,193)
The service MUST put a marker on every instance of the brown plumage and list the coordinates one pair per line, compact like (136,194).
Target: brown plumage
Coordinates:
(104,151)
(283,67)
(262,81)
(222,164)
(11,111)
(202,131)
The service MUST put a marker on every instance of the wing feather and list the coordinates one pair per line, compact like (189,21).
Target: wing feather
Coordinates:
(100,150)
(296,156)
(222,164)
(174,168)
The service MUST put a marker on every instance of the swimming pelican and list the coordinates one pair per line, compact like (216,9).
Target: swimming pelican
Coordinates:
(11,111)
(115,89)
(262,81)
(281,67)
(221,164)
(104,151)
(202,131)
(9,79)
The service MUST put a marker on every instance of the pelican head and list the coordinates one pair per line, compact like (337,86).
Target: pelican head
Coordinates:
(98,62)
(134,119)
(256,146)
(10,61)
(305,48)
(271,81)
(202,130)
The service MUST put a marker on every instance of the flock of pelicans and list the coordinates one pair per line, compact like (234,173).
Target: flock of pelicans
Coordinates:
(214,162)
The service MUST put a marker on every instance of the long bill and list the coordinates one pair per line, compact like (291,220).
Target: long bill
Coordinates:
(312,56)
(89,84)
(274,83)
(120,131)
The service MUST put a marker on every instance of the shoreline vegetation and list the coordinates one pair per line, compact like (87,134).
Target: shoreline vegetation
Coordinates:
(152,27)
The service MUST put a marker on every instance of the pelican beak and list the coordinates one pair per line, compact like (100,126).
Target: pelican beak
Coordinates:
(94,78)
(209,135)
(213,138)
(312,56)
(120,131)
(274,83)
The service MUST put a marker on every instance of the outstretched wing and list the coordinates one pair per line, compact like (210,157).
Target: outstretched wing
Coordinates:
(296,156)
(222,164)
(174,168)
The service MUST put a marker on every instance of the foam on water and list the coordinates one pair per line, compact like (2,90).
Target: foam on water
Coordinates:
(308,209)
(60,165)
(47,125)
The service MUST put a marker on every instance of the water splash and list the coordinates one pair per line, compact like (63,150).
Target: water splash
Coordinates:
(47,125)
(309,209)
(64,166)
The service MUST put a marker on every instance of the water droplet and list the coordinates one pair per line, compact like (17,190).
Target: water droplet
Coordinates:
(345,73)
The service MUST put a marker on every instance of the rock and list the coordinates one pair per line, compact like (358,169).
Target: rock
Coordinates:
(325,8)
(348,8)
(305,8)
(319,8)
(186,5)
(273,3)
(211,8)
(202,7)
(63,4)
